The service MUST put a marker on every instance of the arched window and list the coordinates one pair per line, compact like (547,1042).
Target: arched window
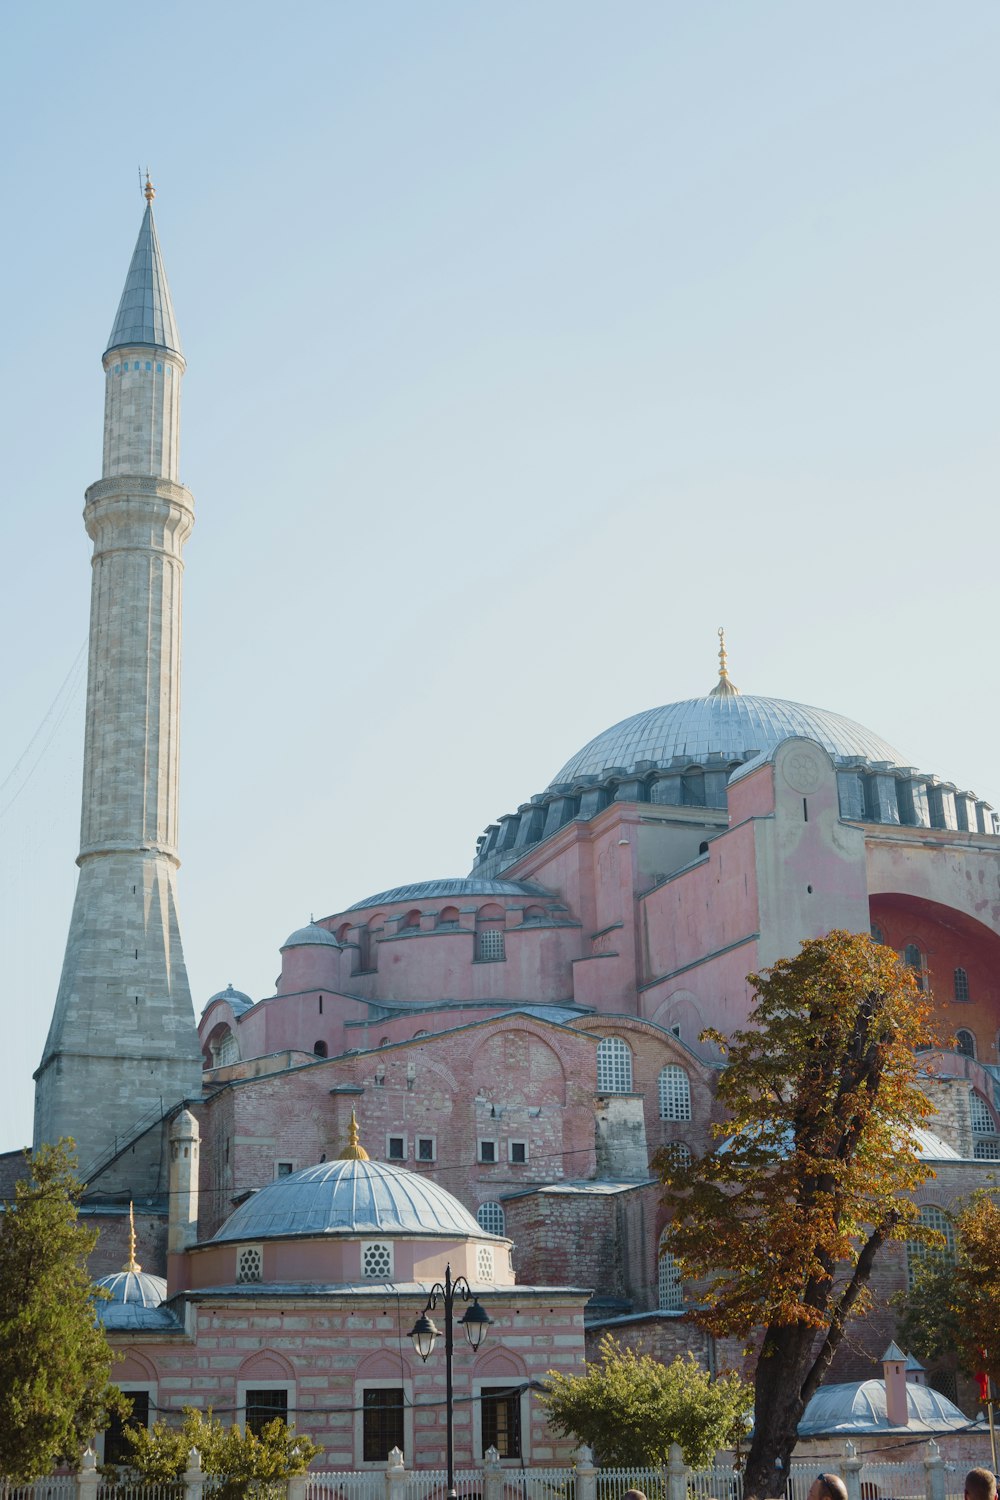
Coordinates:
(343,932)
(614,1066)
(677,1154)
(368,945)
(225,1050)
(448,916)
(913,959)
(961,984)
(670,1290)
(979,1115)
(965,1042)
(533,914)
(917,1253)
(490,937)
(411,922)
(491,1217)
(675,1093)
(319,1049)
(877,934)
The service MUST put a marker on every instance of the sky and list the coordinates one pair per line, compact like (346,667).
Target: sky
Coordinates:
(528,343)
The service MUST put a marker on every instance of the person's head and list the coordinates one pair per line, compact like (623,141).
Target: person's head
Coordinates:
(633,1495)
(980,1484)
(828,1487)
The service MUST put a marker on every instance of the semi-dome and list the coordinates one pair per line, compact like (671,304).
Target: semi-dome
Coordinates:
(731,727)
(347,1197)
(237,1001)
(310,936)
(470,886)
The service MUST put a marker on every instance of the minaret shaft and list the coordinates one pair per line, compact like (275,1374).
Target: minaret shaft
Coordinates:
(122,1046)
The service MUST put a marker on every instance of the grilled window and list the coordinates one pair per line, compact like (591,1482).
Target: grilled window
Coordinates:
(500,1411)
(265,1406)
(117,1448)
(675,1093)
(382,1414)
(614,1066)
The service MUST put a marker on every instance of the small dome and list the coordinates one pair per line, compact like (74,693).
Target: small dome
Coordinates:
(429,890)
(311,936)
(136,1288)
(861,1407)
(731,727)
(350,1196)
(235,999)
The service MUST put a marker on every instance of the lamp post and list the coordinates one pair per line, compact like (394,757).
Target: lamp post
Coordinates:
(424,1334)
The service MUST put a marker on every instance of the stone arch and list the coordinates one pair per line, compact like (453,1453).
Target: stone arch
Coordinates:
(265,1364)
(681,1008)
(510,1051)
(135,1367)
(499,1362)
(448,916)
(383,1364)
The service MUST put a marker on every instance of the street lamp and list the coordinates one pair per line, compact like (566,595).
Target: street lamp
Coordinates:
(424,1333)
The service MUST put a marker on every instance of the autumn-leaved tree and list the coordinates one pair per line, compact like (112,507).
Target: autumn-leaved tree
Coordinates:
(629,1408)
(54,1357)
(783,1221)
(953,1307)
(237,1462)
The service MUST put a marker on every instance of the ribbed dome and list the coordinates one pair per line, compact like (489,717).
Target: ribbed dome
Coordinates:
(312,936)
(861,1407)
(732,727)
(350,1197)
(237,1001)
(133,1287)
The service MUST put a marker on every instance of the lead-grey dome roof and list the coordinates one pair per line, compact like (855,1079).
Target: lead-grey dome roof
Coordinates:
(426,890)
(236,999)
(861,1407)
(731,726)
(131,1292)
(348,1197)
(311,936)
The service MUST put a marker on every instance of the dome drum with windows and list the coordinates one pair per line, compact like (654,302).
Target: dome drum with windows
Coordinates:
(685,754)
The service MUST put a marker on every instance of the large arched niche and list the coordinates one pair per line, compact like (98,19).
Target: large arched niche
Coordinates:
(529,1069)
(681,1013)
(947,940)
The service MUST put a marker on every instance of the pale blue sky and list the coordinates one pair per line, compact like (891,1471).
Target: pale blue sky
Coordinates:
(527,344)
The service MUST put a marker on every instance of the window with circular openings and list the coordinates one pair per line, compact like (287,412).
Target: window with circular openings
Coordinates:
(376,1261)
(249,1263)
(484,1263)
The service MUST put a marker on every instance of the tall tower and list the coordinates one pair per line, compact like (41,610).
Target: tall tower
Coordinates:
(122,1046)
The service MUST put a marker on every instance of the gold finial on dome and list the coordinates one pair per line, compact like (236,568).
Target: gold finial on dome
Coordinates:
(149,191)
(353,1151)
(132,1264)
(723,688)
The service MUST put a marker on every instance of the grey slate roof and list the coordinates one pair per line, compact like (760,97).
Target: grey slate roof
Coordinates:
(145,313)
(733,727)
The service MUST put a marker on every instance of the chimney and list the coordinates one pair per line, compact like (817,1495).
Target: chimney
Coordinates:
(182,1229)
(894,1373)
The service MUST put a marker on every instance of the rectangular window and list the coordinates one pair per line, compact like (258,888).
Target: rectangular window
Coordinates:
(263,1406)
(382,1411)
(490,947)
(117,1448)
(488,1151)
(518,1151)
(284,1168)
(500,1411)
(425,1148)
(396,1147)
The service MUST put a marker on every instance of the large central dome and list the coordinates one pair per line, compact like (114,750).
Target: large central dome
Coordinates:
(732,726)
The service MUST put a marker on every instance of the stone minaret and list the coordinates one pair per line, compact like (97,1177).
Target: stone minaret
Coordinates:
(122,1047)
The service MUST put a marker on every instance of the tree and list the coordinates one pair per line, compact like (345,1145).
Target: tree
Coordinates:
(630,1407)
(54,1357)
(784,1220)
(953,1306)
(242,1462)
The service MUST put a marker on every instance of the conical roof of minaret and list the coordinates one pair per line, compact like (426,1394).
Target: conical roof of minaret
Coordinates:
(145,313)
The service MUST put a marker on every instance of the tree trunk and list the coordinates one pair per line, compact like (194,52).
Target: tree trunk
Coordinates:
(784,1362)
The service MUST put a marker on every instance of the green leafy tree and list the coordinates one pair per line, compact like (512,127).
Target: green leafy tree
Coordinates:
(630,1407)
(783,1222)
(54,1357)
(239,1462)
(951,1313)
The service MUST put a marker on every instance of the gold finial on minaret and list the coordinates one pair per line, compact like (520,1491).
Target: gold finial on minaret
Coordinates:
(723,688)
(149,191)
(353,1151)
(132,1264)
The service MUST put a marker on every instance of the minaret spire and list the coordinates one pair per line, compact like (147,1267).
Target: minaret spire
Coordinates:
(122,1048)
